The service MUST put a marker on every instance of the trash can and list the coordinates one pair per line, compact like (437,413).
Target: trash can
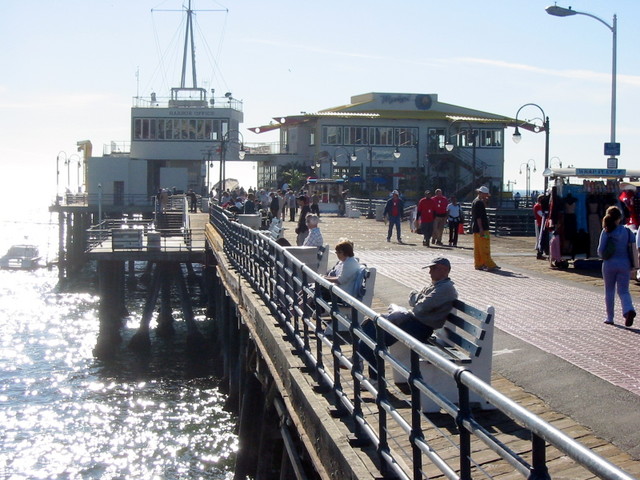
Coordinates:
(153,241)
(380,213)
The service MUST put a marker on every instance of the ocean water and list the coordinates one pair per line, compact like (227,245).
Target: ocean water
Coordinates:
(67,415)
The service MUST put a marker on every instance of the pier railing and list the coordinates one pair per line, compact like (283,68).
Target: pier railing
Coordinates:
(292,292)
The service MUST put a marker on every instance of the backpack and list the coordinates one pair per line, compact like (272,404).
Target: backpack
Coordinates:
(609,248)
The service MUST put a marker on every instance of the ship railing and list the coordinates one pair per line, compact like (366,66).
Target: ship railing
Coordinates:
(291,291)
(185,102)
(122,147)
(149,237)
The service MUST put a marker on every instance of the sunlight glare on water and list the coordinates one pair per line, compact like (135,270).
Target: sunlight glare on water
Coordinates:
(65,414)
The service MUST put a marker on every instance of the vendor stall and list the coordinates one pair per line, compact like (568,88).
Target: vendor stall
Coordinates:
(577,200)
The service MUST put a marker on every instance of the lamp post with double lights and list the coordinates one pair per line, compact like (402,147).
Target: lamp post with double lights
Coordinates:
(612,149)
(76,157)
(369,148)
(545,126)
(527,165)
(60,153)
(471,138)
(332,163)
(413,142)
(224,142)
(555,158)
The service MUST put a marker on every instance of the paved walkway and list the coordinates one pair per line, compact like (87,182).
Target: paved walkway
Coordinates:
(551,339)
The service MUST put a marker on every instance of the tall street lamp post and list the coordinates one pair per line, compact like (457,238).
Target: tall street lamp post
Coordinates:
(471,137)
(224,141)
(527,166)
(77,159)
(612,149)
(369,176)
(545,126)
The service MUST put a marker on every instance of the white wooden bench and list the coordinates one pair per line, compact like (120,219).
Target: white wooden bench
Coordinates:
(276,229)
(251,220)
(315,258)
(465,339)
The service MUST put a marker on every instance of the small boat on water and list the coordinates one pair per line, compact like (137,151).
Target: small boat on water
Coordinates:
(21,257)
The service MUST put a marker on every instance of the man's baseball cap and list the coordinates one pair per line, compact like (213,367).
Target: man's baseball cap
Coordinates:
(483,189)
(439,261)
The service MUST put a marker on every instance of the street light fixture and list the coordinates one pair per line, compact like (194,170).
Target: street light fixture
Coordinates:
(613,148)
(545,126)
(555,158)
(527,166)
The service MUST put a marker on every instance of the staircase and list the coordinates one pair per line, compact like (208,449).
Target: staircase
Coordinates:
(170,223)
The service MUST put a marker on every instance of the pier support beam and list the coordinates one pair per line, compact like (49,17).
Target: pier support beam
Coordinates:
(110,312)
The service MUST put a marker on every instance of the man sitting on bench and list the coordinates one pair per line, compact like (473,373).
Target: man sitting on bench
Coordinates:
(430,308)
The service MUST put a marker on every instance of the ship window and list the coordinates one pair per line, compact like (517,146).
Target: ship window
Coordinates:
(137,129)
(168,129)
(200,129)
(161,128)
(184,129)
(152,129)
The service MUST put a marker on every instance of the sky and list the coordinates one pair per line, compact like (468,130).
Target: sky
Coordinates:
(72,67)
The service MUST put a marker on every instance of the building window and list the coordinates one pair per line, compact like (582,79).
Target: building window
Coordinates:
(179,129)
(490,138)
(463,137)
(332,135)
(406,136)
(381,136)
(437,140)
(355,135)
(312,137)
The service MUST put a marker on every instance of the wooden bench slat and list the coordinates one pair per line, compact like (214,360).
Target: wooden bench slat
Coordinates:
(454,339)
(474,330)
(471,311)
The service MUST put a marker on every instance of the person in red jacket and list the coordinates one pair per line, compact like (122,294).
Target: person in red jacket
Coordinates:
(440,212)
(424,216)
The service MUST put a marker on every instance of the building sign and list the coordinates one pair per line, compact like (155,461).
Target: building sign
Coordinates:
(601,172)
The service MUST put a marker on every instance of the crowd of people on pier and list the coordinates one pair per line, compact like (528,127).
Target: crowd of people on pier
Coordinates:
(434,211)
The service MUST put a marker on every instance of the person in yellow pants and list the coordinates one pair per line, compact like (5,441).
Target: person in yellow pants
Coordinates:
(481,238)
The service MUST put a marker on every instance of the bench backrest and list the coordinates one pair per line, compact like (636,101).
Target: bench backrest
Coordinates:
(276,229)
(323,259)
(466,328)
(308,256)
(251,220)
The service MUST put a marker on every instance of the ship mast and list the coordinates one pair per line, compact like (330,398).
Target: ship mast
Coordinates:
(190,46)
(188,38)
